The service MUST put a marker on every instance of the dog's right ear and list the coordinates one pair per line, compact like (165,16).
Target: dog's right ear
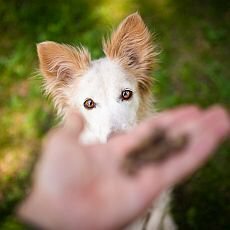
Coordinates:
(59,64)
(61,61)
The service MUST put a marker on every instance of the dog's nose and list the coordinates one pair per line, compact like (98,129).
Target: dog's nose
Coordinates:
(113,134)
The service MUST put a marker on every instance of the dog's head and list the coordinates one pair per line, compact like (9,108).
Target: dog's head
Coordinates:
(112,93)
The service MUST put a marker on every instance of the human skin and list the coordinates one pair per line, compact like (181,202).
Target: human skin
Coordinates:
(83,187)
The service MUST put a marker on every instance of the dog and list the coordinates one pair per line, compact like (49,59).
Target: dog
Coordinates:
(113,93)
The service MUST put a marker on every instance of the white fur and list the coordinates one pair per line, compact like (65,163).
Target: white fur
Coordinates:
(104,82)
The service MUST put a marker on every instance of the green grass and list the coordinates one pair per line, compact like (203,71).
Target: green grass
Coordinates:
(194,39)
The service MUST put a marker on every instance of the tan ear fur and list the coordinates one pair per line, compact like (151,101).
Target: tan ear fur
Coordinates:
(59,64)
(61,61)
(131,44)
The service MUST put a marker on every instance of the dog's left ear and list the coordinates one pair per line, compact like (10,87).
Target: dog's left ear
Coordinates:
(131,45)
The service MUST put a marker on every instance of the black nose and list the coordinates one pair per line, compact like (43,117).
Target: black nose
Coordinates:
(112,134)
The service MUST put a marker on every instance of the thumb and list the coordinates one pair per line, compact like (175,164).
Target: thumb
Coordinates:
(73,123)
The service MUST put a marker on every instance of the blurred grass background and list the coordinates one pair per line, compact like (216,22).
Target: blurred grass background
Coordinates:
(194,68)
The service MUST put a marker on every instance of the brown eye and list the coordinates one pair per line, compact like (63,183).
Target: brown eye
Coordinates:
(126,94)
(89,104)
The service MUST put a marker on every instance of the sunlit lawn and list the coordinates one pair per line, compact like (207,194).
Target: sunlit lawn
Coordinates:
(194,40)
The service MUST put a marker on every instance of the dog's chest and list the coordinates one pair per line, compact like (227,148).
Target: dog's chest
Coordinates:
(158,217)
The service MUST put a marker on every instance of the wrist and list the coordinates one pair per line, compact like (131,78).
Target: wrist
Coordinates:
(40,209)
(46,209)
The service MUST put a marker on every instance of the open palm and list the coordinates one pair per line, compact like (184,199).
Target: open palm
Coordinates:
(84,187)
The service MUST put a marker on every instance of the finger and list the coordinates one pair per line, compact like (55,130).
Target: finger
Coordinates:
(125,143)
(71,128)
(207,119)
(73,123)
(168,119)
(206,134)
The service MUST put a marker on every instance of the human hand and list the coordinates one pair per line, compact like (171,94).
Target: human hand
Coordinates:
(83,187)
